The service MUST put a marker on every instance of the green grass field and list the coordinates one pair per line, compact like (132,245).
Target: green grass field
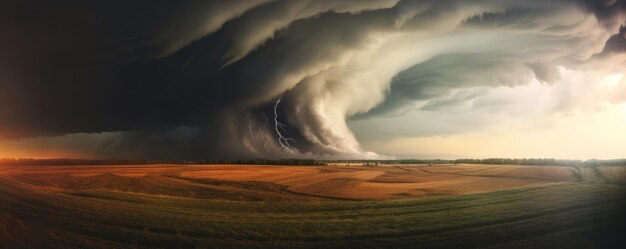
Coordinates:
(562,215)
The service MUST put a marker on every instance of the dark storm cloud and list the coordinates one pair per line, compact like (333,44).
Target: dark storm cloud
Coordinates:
(198,78)
(94,67)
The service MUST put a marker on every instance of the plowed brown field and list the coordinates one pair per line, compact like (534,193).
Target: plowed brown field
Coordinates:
(245,182)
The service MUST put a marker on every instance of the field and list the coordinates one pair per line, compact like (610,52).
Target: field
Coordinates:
(341,206)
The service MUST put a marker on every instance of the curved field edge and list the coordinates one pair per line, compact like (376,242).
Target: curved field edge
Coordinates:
(554,215)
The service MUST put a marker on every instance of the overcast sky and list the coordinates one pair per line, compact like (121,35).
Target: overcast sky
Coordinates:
(322,79)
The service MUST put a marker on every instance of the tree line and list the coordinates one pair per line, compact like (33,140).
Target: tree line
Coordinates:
(71,162)
(508,161)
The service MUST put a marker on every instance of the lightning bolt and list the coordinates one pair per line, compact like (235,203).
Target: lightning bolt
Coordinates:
(282,140)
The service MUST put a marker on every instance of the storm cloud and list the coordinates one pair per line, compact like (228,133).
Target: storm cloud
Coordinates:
(200,79)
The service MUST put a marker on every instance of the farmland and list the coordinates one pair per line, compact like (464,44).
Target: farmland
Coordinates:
(339,206)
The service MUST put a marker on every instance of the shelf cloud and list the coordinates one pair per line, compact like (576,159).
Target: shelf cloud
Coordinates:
(201,79)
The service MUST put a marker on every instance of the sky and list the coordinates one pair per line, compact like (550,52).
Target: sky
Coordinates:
(313,79)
